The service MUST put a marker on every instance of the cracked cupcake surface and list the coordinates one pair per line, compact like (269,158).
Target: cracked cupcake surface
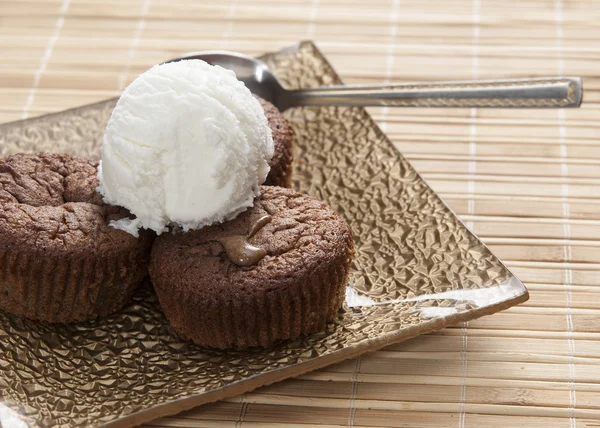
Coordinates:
(283,136)
(294,289)
(60,261)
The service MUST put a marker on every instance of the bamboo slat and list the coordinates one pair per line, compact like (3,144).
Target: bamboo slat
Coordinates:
(527,182)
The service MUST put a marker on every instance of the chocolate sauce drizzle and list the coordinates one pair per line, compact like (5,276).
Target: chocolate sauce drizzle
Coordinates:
(239,250)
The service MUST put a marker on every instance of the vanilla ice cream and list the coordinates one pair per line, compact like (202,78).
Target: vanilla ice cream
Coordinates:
(187,144)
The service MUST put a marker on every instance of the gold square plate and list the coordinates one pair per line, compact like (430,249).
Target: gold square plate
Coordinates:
(417,269)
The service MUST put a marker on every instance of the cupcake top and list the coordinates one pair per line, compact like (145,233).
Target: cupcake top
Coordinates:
(286,232)
(51,199)
(283,135)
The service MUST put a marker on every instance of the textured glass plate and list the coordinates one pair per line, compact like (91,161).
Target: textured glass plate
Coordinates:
(417,269)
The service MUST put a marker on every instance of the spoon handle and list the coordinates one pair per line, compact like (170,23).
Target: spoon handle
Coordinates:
(549,92)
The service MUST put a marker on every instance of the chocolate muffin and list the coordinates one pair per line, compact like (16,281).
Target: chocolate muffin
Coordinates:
(283,135)
(275,272)
(60,261)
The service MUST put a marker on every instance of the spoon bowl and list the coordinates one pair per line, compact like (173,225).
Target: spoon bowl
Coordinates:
(255,74)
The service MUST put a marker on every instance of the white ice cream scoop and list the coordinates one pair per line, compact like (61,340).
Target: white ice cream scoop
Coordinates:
(186,144)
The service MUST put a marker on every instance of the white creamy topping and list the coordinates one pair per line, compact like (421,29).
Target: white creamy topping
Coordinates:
(186,144)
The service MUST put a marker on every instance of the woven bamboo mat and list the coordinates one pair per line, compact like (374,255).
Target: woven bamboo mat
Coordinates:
(527,182)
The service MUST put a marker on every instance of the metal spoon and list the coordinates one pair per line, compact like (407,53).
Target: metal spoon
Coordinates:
(546,92)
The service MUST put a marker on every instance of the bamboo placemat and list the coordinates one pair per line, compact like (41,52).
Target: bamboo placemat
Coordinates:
(528,182)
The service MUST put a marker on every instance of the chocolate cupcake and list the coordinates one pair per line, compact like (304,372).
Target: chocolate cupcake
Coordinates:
(283,135)
(275,272)
(60,261)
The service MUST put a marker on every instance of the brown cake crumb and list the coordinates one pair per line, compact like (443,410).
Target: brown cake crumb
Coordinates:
(60,261)
(283,135)
(293,290)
